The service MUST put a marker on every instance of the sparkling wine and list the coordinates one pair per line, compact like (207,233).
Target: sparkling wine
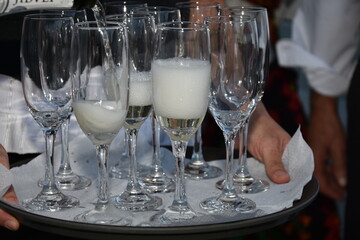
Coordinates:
(100,120)
(181,88)
(140,99)
(180,129)
(136,115)
(181,91)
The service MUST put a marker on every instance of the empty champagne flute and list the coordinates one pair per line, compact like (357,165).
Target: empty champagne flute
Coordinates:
(198,168)
(243,180)
(156,180)
(181,83)
(100,103)
(65,177)
(234,48)
(141,33)
(45,71)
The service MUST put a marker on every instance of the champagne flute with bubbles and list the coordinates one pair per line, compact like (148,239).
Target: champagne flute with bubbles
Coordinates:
(141,33)
(46,73)
(198,168)
(234,47)
(181,83)
(156,180)
(100,103)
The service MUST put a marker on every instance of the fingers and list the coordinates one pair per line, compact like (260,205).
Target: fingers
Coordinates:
(275,169)
(6,220)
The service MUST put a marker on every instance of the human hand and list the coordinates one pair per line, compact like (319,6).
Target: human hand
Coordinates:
(326,137)
(267,142)
(7,220)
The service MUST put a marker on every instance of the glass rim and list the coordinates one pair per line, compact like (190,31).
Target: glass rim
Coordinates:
(89,25)
(47,15)
(175,25)
(165,8)
(245,8)
(194,4)
(221,18)
(139,15)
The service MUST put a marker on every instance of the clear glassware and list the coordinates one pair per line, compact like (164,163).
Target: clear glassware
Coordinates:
(156,180)
(181,83)
(65,177)
(243,180)
(198,168)
(141,33)
(113,9)
(234,49)
(47,92)
(121,7)
(100,103)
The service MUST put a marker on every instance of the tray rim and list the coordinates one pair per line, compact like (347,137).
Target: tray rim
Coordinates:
(97,231)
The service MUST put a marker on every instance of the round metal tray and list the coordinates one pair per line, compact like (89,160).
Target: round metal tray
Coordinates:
(206,232)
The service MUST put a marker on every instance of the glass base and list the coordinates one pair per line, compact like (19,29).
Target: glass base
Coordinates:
(109,215)
(69,182)
(158,183)
(118,172)
(123,172)
(246,185)
(137,202)
(203,171)
(50,202)
(174,214)
(220,205)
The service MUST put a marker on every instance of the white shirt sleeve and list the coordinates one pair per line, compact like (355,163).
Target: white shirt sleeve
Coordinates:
(324,43)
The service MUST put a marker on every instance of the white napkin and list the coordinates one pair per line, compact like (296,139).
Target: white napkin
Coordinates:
(6,179)
(298,160)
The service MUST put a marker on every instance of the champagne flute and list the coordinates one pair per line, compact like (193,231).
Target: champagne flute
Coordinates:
(156,180)
(234,48)
(198,168)
(45,71)
(100,102)
(141,33)
(243,180)
(65,177)
(181,83)
(113,9)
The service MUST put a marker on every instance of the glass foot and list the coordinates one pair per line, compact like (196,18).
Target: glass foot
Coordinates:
(123,172)
(220,205)
(69,182)
(174,215)
(158,183)
(109,215)
(50,202)
(118,172)
(196,172)
(246,185)
(137,202)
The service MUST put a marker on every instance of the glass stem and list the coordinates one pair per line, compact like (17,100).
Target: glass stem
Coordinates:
(133,185)
(65,168)
(49,186)
(179,149)
(157,168)
(102,154)
(243,170)
(197,156)
(228,189)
